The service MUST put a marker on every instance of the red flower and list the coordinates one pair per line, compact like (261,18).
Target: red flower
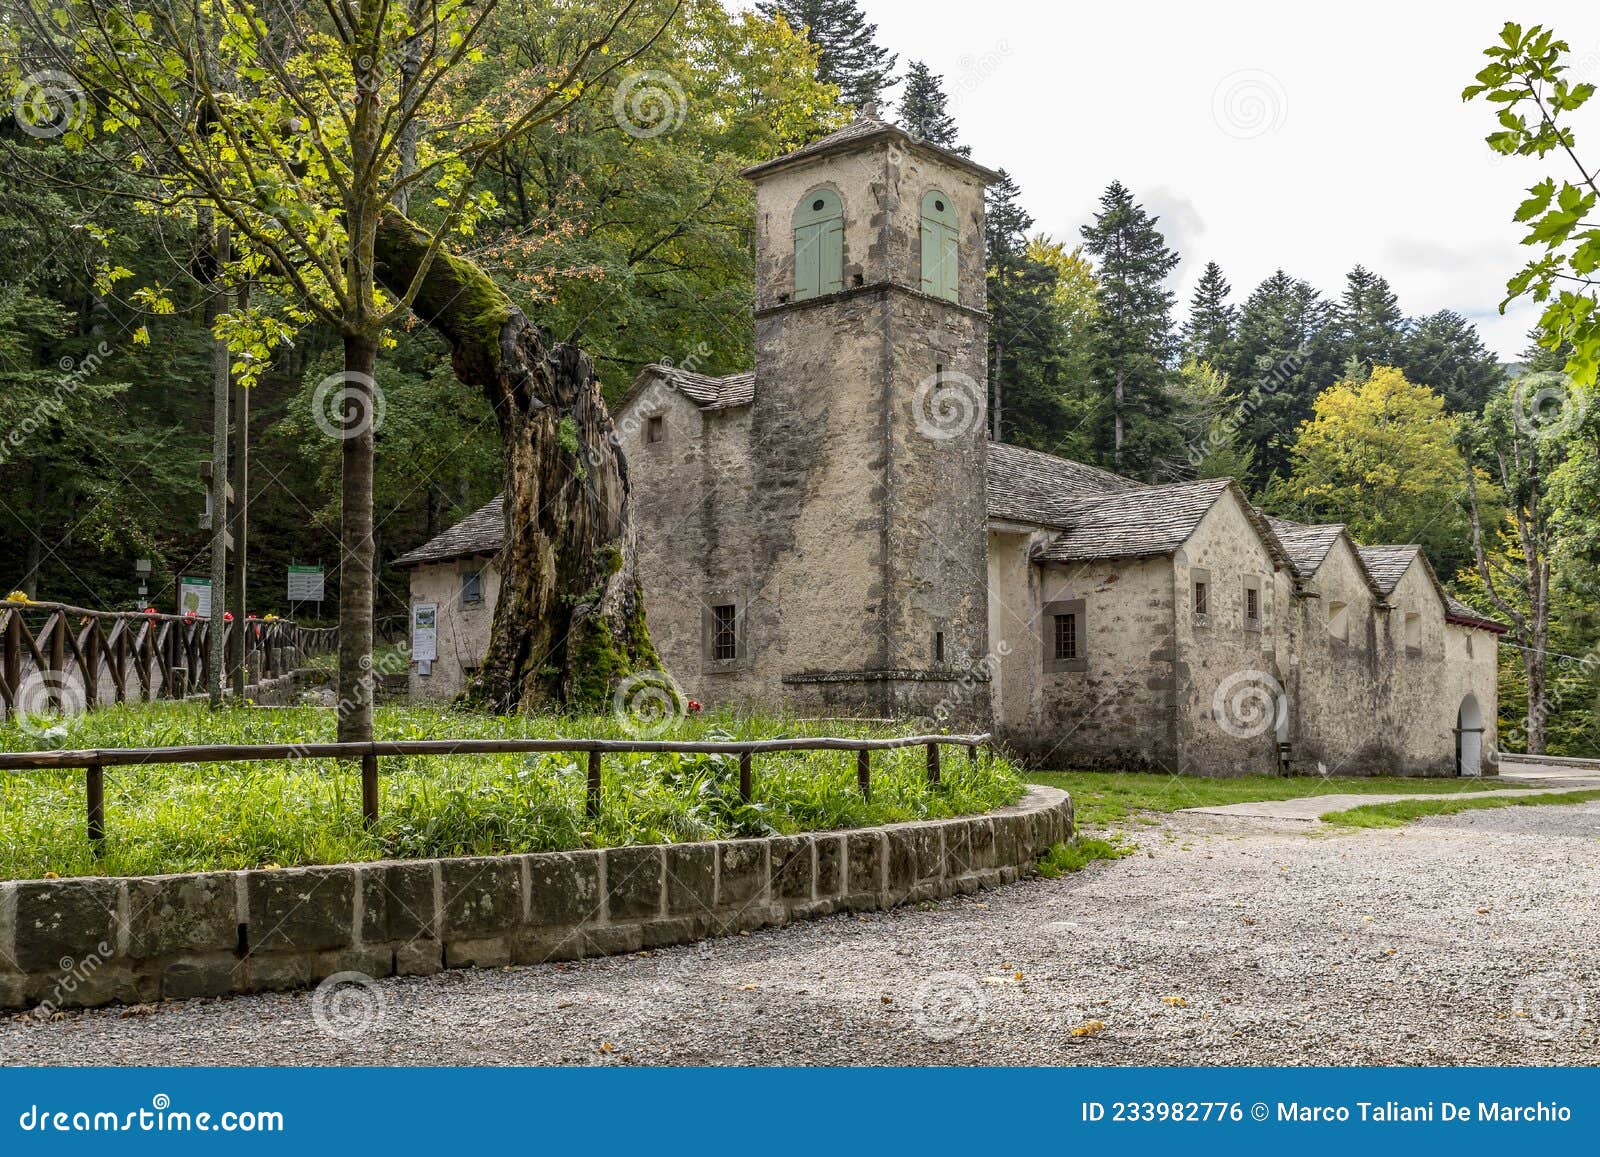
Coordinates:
(695,705)
(190,615)
(150,611)
(227,616)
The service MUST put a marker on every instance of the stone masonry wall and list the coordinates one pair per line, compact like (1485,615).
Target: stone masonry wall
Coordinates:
(463,628)
(85,942)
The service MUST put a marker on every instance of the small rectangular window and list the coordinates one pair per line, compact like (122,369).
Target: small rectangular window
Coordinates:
(1414,631)
(1066,636)
(655,428)
(1338,620)
(1252,603)
(725,632)
(1200,603)
(472,586)
(938,646)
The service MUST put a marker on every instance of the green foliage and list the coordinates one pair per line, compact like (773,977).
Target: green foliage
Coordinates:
(849,58)
(923,108)
(170,818)
(1401,812)
(1209,329)
(1079,854)
(1528,79)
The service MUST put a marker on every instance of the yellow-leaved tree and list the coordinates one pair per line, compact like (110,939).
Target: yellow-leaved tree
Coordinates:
(1380,454)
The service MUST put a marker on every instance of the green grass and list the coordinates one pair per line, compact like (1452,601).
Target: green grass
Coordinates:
(1079,854)
(1104,798)
(1402,812)
(183,817)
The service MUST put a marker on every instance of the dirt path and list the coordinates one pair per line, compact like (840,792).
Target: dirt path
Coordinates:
(1225,940)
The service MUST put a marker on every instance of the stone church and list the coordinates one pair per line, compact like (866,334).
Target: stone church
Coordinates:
(836,535)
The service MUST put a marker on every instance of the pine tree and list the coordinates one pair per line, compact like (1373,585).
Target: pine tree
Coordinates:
(1444,351)
(1211,322)
(1133,339)
(1371,326)
(1005,236)
(923,108)
(849,54)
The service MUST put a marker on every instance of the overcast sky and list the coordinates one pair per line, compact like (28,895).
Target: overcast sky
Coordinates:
(1264,134)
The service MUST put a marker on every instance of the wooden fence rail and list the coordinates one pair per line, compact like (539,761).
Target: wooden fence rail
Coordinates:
(60,658)
(94,761)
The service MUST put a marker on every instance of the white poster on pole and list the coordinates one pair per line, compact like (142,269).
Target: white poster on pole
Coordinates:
(194,597)
(425,632)
(305,584)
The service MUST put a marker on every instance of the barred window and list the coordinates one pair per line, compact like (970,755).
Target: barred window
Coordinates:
(1066,636)
(724,632)
(1200,598)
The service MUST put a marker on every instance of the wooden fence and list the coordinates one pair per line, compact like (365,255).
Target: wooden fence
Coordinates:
(95,761)
(59,658)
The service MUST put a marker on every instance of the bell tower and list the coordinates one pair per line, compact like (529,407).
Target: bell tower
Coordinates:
(867,434)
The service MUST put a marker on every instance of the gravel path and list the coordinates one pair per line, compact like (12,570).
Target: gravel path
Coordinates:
(1465,939)
(1311,808)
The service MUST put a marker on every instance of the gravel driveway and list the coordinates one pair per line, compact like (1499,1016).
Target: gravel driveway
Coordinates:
(1225,940)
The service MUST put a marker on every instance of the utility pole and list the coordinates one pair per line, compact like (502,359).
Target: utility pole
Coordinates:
(216,304)
(241,527)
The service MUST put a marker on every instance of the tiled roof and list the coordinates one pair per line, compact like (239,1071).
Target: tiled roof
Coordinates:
(1387,564)
(864,128)
(1032,487)
(1305,545)
(1135,523)
(481,532)
(707,392)
(1457,611)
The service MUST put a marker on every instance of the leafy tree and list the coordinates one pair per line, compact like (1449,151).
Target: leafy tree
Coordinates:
(923,111)
(1133,341)
(1381,456)
(850,58)
(1444,351)
(1207,415)
(300,130)
(1209,329)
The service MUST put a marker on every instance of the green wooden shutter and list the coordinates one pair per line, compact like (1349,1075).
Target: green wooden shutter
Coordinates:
(940,249)
(818,244)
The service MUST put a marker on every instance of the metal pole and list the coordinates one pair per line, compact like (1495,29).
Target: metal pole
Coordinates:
(591,803)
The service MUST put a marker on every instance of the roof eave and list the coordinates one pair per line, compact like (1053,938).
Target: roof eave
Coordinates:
(892,132)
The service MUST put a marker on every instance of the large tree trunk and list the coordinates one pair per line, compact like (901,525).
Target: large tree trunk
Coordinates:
(355,540)
(570,618)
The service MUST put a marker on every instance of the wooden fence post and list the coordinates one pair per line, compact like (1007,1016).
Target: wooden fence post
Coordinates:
(933,764)
(744,776)
(864,773)
(591,801)
(95,798)
(369,790)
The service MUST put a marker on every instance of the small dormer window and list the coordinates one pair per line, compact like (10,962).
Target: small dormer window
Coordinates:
(940,254)
(818,244)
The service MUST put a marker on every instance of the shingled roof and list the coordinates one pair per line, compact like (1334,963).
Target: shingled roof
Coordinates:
(865,127)
(705,391)
(1306,545)
(1032,487)
(1387,564)
(1457,611)
(481,532)
(1133,523)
